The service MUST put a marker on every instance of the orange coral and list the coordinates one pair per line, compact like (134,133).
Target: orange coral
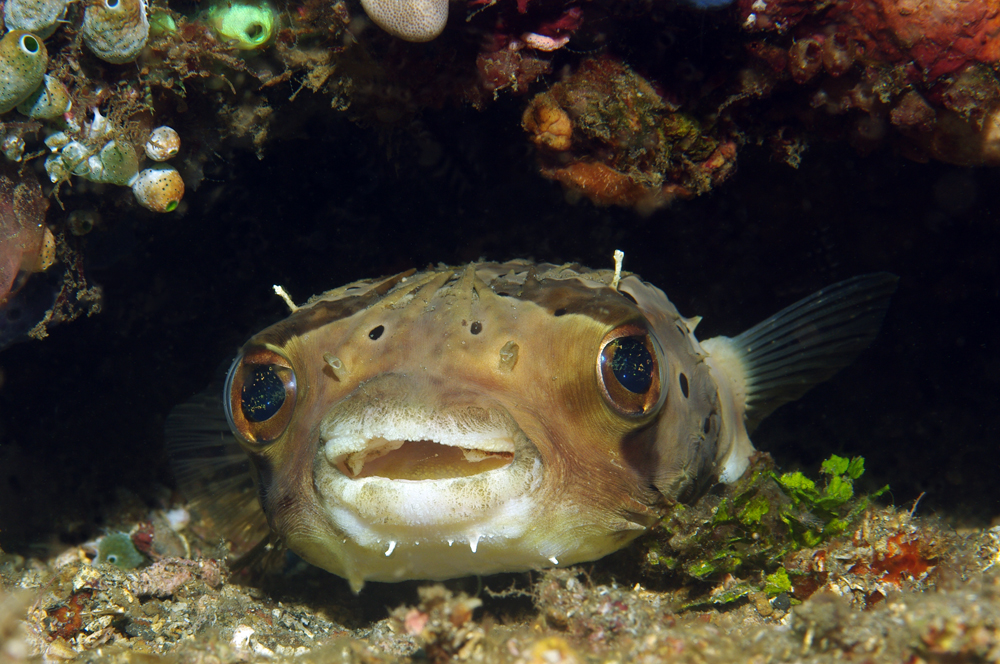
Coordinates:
(607,133)
(548,124)
(604,185)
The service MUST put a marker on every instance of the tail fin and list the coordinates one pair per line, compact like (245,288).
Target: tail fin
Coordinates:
(809,341)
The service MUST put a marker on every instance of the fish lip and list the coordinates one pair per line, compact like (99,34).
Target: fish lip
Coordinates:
(372,419)
(495,502)
(351,445)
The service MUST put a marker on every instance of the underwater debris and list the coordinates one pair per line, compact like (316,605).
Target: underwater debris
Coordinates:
(442,623)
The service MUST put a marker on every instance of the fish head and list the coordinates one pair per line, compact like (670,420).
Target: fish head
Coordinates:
(497,417)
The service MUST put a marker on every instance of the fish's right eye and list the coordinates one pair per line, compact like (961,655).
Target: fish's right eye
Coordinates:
(260,396)
(630,371)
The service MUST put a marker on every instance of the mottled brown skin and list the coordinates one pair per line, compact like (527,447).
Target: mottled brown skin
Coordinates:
(602,473)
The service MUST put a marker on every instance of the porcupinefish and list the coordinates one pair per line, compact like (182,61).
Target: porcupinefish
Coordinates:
(504,416)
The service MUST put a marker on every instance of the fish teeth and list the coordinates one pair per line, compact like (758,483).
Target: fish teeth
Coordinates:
(372,428)
(356,461)
(474,542)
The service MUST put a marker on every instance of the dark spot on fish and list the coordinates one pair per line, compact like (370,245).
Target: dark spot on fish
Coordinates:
(476,328)
(681,330)
(559,312)
(376,332)
(628,296)
(684,385)
(706,426)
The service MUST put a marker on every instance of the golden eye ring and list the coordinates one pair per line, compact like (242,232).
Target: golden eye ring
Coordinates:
(630,368)
(260,396)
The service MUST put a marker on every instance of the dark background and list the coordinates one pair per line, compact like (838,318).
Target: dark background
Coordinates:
(82,412)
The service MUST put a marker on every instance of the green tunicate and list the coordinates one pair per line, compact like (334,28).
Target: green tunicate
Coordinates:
(161,23)
(48,102)
(23,60)
(119,163)
(117,549)
(249,26)
(115,30)
(39,17)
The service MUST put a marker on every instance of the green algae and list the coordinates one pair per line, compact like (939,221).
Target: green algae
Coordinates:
(749,531)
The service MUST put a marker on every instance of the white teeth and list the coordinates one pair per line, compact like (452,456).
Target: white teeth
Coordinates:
(474,542)
(450,542)
(388,552)
(554,560)
(379,447)
(369,430)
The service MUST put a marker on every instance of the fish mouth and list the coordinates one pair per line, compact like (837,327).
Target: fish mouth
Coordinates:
(400,454)
(420,459)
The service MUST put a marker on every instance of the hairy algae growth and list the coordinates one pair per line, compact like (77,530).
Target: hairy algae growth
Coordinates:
(747,533)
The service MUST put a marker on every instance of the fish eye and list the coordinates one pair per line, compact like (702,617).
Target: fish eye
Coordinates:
(260,395)
(629,370)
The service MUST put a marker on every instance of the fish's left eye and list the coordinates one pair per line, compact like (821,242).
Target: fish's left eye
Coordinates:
(260,395)
(629,370)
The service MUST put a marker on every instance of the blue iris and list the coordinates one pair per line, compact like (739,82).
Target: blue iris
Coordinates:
(632,364)
(263,394)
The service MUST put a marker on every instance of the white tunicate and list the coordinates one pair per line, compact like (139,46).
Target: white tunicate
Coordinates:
(13,147)
(164,143)
(56,168)
(56,141)
(94,169)
(74,153)
(36,16)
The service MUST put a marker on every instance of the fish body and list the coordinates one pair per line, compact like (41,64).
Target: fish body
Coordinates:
(509,416)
